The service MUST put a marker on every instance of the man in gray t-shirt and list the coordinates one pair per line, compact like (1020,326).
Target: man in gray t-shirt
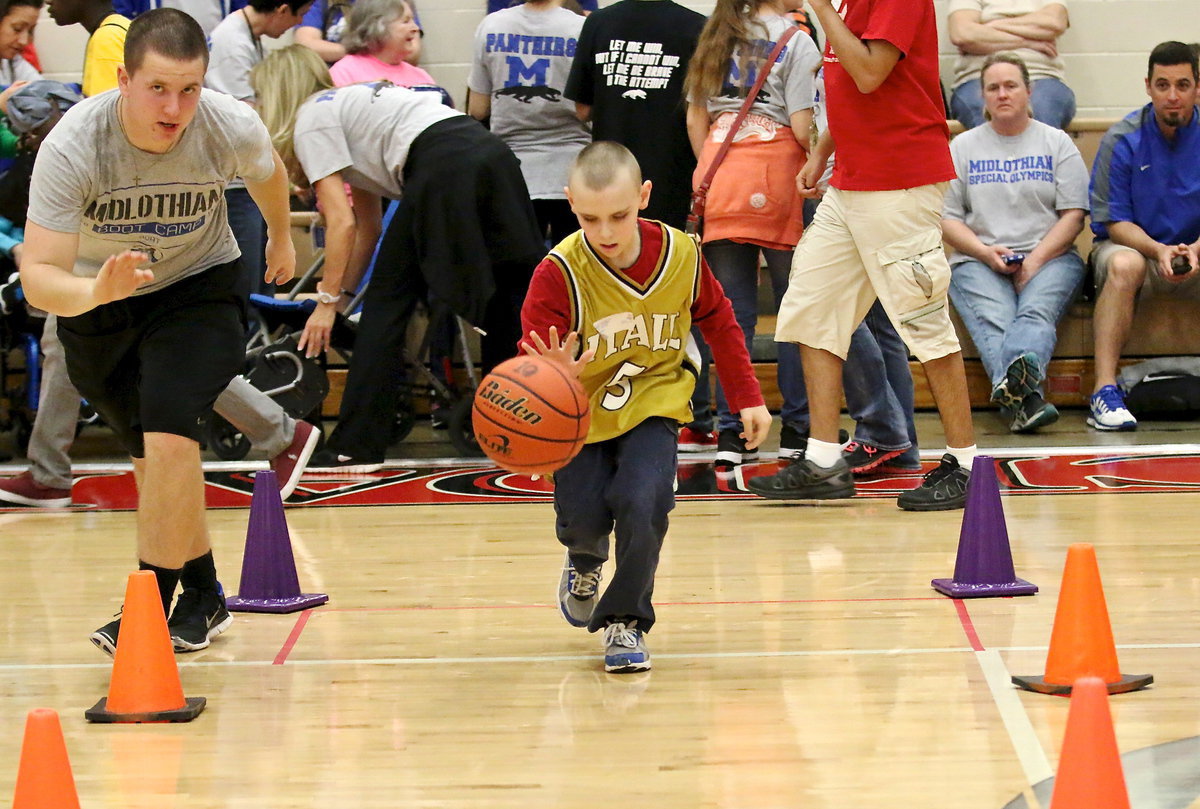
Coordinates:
(127,242)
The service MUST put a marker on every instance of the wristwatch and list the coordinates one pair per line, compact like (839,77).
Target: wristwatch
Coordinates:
(325,297)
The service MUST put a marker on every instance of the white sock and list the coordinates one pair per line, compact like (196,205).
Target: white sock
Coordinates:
(964,455)
(823,453)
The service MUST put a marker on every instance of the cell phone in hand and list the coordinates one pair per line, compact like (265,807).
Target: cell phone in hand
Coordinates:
(1014,258)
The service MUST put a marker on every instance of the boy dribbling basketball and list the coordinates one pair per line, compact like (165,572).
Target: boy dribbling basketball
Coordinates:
(630,290)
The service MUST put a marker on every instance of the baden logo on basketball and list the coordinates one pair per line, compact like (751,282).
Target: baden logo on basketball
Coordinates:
(492,391)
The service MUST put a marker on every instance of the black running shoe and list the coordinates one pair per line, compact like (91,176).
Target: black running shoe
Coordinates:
(731,450)
(942,489)
(105,637)
(804,480)
(198,617)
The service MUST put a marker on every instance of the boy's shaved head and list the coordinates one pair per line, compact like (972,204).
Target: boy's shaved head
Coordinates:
(602,163)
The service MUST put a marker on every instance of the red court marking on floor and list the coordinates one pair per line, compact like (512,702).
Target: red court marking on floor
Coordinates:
(968,625)
(1028,473)
(292,638)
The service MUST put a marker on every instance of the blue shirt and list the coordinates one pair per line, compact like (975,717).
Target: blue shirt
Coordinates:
(1141,177)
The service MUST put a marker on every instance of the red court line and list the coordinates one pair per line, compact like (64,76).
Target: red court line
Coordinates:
(662,604)
(292,639)
(968,626)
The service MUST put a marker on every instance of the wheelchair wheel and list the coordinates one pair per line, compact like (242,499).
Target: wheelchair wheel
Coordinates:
(462,434)
(224,439)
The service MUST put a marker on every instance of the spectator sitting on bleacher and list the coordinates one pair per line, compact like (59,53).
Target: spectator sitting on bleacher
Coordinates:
(1145,193)
(1030,28)
(1011,218)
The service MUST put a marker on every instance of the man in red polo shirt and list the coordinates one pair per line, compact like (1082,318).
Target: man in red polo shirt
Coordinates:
(876,234)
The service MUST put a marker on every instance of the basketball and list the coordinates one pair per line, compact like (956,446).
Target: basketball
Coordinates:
(530,415)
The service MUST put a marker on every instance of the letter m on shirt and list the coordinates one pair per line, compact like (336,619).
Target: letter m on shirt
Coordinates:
(534,75)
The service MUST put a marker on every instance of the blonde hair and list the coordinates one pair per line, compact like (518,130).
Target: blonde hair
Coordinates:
(732,23)
(282,82)
(598,165)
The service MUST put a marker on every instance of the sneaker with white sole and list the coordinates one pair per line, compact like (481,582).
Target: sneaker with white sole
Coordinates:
(198,617)
(692,440)
(25,491)
(1109,411)
(732,451)
(289,464)
(105,638)
(577,593)
(625,648)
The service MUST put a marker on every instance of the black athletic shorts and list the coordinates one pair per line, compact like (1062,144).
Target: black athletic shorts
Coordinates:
(157,362)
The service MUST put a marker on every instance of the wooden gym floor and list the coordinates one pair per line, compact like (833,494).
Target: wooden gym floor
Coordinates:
(800,659)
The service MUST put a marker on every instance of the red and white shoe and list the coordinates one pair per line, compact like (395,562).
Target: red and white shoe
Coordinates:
(289,464)
(25,491)
(695,441)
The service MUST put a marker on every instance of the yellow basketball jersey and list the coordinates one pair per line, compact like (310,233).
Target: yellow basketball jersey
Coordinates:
(640,332)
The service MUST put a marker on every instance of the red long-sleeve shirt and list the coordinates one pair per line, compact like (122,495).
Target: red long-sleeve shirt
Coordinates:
(547,304)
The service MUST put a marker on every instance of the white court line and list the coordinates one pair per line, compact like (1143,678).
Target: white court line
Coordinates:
(487,660)
(1016,720)
(421,463)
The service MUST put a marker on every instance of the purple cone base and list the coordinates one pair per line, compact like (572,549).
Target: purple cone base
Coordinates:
(276,605)
(1127,683)
(959,589)
(100,713)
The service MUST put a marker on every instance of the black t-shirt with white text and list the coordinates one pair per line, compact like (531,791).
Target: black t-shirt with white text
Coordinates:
(629,67)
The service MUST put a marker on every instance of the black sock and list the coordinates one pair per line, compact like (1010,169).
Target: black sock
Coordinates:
(200,573)
(167,579)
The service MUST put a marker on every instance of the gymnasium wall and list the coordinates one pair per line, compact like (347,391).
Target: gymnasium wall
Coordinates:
(1105,50)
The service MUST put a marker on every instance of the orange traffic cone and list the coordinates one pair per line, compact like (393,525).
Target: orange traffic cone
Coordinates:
(1089,767)
(44,778)
(145,683)
(1081,644)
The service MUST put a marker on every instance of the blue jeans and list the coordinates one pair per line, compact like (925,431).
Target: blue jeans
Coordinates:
(1005,324)
(1053,103)
(879,387)
(624,486)
(735,264)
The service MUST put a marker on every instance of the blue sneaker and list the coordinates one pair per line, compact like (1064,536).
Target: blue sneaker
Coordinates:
(1109,411)
(577,593)
(625,648)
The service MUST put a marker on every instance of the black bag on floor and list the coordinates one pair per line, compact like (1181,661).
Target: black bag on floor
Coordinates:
(1168,395)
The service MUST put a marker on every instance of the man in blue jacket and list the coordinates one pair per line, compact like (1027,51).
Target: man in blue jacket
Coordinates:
(1145,195)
